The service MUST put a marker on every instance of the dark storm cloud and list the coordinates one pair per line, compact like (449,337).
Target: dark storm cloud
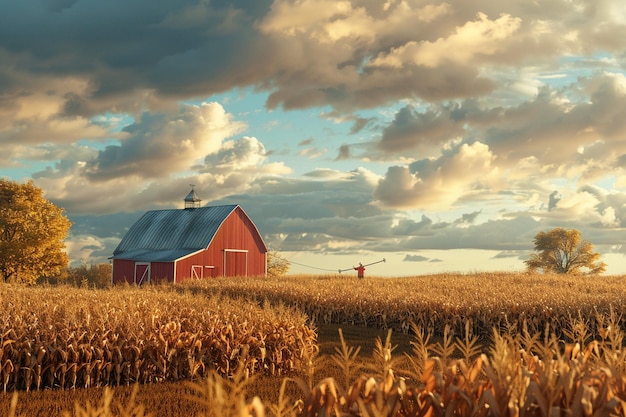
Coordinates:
(180,49)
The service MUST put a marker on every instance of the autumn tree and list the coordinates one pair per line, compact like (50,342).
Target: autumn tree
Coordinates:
(276,264)
(98,275)
(32,233)
(562,251)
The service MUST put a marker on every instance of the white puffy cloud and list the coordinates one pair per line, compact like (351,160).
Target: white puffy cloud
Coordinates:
(89,248)
(155,165)
(160,144)
(439,183)
(332,21)
(477,39)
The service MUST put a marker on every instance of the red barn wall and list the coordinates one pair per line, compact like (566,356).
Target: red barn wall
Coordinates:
(237,233)
(161,272)
(123,271)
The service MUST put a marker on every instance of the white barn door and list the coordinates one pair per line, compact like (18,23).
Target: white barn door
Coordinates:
(197,271)
(142,273)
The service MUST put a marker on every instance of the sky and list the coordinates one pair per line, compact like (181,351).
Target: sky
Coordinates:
(438,136)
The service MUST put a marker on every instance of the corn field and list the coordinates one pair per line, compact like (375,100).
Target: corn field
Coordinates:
(485,300)
(519,375)
(483,345)
(62,337)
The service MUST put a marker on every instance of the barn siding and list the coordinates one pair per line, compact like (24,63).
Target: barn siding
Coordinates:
(236,263)
(237,232)
(161,272)
(123,271)
(183,266)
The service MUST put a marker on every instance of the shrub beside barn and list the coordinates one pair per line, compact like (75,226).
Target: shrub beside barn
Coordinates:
(194,242)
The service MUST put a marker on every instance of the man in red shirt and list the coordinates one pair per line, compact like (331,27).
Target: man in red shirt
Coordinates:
(360,270)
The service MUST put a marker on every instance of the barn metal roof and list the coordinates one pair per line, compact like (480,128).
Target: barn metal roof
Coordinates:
(167,235)
(147,255)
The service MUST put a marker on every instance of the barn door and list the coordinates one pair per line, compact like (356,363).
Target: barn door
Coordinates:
(142,273)
(235,262)
(196,271)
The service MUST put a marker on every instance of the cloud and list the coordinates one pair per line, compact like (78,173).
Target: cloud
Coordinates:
(554,200)
(503,234)
(154,166)
(477,39)
(568,128)
(585,206)
(344,152)
(68,188)
(468,218)
(438,183)
(160,144)
(421,131)
(512,254)
(157,54)
(555,128)
(416,258)
(88,248)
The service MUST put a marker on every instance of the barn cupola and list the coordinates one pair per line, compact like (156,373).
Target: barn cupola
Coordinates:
(192,200)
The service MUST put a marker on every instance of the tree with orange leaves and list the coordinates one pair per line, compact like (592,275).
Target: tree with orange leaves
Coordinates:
(32,234)
(562,251)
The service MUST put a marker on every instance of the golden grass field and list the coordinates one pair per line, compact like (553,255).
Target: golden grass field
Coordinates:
(484,344)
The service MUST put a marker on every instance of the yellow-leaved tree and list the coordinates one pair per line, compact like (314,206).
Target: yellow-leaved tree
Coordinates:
(562,251)
(276,264)
(32,233)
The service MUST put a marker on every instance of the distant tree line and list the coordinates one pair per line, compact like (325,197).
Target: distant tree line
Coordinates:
(85,276)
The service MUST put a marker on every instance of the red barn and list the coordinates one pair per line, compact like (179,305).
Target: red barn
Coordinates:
(195,242)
